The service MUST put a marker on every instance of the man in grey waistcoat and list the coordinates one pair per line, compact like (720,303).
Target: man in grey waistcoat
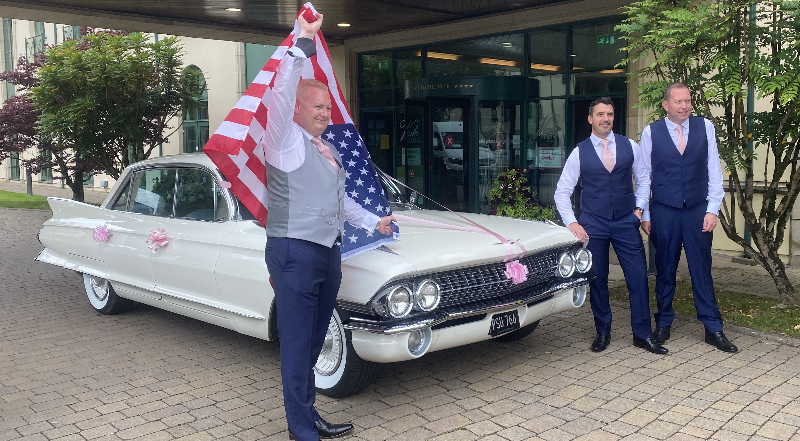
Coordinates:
(307,210)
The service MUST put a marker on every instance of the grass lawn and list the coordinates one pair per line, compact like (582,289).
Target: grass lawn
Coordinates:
(22,200)
(765,314)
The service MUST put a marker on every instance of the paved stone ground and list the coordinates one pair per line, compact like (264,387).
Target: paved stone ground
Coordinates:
(67,373)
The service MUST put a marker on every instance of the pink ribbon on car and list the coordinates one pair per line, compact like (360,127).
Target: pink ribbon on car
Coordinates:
(516,272)
(157,239)
(101,234)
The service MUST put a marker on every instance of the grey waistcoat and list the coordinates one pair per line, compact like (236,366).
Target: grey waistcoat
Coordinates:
(307,203)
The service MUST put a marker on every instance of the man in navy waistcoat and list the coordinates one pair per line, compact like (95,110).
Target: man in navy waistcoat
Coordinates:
(606,165)
(686,195)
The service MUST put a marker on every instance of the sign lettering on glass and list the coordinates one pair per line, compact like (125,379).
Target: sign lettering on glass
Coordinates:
(606,40)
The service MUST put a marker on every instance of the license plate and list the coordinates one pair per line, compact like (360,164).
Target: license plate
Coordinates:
(503,323)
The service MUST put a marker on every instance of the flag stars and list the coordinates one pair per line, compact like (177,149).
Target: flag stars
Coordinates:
(347,175)
(353,194)
(359,181)
(356,153)
(379,207)
(371,189)
(364,171)
(351,163)
(367,201)
(370,233)
(353,238)
(330,136)
(348,133)
(343,144)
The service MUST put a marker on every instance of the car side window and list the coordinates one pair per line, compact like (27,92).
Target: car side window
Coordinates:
(153,192)
(121,204)
(199,197)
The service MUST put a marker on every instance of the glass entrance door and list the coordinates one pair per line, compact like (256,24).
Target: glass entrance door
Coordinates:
(450,153)
(438,157)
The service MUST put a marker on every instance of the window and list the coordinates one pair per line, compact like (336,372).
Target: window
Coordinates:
(35,44)
(199,197)
(195,118)
(153,192)
(497,56)
(70,32)
(46,175)
(8,53)
(14,166)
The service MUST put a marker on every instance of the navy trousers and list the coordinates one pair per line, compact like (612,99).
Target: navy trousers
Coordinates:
(306,278)
(623,233)
(671,229)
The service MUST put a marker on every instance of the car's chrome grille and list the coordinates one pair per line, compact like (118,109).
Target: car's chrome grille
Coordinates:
(474,284)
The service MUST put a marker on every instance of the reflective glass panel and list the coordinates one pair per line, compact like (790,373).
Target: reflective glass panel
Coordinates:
(498,143)
(376,70)
(545,151)
(499,55)
(596,46)
(548,50)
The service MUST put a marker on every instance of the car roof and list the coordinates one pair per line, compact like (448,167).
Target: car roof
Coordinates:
(198,158)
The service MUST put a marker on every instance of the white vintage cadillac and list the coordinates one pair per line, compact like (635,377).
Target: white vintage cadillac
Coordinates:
(170,235)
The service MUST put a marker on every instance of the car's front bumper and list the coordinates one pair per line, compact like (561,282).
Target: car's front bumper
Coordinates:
(384,345)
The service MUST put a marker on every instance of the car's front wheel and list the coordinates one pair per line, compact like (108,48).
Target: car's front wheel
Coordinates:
(103,297)
(339,371)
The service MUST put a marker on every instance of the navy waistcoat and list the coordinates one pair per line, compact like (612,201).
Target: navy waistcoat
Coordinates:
(607,194)
(676,178)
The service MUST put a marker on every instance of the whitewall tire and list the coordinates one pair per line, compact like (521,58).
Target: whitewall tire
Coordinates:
(103,297)
(339,371)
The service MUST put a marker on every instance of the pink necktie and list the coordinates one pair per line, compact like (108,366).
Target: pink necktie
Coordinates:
(681,139)
(608,158)
(325,151)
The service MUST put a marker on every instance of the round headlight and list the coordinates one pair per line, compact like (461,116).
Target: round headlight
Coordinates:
(583,260)
(566,265)
(399,301)
(427,295)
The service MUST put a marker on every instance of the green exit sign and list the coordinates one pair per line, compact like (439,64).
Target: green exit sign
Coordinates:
(606,40)
(383,65)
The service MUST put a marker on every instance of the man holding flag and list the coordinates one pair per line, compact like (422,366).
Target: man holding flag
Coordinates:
(307,207)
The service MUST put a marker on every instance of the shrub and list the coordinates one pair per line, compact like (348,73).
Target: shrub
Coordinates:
(512,197)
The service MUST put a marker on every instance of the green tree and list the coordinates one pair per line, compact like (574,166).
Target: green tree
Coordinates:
(110,95)
(727,51)
(19,133)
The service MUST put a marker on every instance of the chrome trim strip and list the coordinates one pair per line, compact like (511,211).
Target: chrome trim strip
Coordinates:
(442,316)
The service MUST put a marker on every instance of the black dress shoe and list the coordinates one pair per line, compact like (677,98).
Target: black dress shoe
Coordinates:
(722,343)
(660,335)
(650,344)
(327,430)
(601,342)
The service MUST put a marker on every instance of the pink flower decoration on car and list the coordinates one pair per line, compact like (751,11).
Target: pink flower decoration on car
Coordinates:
(101,234)
(516,272)
(157,239)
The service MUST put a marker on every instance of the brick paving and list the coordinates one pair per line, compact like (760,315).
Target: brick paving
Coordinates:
(67,373)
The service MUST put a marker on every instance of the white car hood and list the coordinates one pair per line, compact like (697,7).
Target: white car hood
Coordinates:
(424,248)
(433,246)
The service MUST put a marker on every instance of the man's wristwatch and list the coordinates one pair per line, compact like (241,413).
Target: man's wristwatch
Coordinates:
(639,209)
(378,226)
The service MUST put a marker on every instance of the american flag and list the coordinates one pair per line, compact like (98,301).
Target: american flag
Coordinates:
(236,147)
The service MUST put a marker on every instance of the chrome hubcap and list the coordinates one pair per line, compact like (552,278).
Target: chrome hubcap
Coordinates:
(331,355)
(99,288)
